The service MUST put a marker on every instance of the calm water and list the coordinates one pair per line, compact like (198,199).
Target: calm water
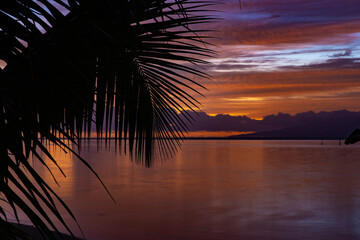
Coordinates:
(216,189)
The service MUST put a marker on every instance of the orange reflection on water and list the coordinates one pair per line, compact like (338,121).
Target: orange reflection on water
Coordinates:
(216,189)
(65,162)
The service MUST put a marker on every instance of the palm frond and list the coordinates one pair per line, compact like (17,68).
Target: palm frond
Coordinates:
(70,64)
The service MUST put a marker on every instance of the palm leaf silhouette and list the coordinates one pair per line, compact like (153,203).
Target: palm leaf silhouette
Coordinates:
(69,64)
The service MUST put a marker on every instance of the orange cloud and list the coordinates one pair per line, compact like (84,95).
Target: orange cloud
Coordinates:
(285,56)
(259,94)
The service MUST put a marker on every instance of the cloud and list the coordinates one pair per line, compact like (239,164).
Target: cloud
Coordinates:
(319,87)
(344,54)
(331,64)
(262,22)
(307,79)
(231,67)
(281,55)
(267,33)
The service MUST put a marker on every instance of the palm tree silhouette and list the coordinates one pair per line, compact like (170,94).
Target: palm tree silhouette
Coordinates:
(66,64)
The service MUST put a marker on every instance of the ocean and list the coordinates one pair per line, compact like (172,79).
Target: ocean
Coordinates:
(216,189)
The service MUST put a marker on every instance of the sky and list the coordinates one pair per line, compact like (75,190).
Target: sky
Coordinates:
(287,56)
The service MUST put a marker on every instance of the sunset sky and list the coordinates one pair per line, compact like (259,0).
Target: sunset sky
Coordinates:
(285,56)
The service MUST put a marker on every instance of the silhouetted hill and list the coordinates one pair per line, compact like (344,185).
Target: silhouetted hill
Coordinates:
(325,131)
(306,125)
(309,125)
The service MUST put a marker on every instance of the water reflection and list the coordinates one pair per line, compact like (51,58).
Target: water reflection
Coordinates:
(65,162)
(217,189)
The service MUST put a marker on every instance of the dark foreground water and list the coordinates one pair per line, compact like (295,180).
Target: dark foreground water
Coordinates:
(217,189)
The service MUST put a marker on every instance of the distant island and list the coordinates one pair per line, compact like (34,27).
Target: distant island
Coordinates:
(333,125)
(307,125)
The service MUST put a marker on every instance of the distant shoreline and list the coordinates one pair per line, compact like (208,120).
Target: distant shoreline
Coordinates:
(253,138)
(227,138)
